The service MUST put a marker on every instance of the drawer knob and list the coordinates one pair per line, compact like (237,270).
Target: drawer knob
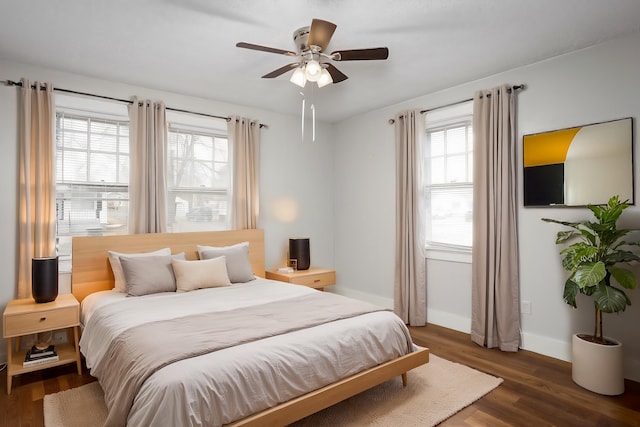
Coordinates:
(42,319)
(316,280)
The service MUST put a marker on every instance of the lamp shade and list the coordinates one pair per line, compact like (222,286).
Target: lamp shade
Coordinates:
(312,70)
(44,279)
(299,250)
(325,78)
(298,77)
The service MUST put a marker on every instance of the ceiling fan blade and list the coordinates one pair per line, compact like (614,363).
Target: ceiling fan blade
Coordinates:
(265,49)
(320,33)
(336,74)
(281,70)
(360,54)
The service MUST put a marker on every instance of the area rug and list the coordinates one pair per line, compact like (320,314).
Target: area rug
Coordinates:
(434,392)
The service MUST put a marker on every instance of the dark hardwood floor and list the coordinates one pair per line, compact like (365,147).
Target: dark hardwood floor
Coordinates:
(537,390)
(23,407)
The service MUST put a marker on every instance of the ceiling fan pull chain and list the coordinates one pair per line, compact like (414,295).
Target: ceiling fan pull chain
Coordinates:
(302,116)
(313,114)
(313,123)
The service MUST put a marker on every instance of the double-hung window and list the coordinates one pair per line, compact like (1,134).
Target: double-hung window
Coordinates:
(448,167)
(92,177)
(198,179)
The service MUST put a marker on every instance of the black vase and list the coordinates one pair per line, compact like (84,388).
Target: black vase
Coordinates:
(299,250)
(44,279)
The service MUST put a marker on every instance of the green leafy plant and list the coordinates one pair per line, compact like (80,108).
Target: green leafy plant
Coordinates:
(594,260)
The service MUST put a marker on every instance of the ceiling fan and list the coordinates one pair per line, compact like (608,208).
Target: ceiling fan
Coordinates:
(313,62)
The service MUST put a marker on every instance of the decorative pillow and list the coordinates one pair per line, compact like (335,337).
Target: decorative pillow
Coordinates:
(237,256)
(149,274)
(114,260)
(209,273)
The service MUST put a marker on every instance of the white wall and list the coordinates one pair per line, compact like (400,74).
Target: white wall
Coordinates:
(593,85)
(300,173)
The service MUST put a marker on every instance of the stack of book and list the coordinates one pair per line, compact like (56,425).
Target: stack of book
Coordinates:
(36,356)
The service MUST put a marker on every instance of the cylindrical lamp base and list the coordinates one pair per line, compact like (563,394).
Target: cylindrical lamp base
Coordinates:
(44,279)
(299,250)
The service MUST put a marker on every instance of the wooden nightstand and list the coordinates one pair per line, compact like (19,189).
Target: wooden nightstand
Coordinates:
(314,277)
(25,317)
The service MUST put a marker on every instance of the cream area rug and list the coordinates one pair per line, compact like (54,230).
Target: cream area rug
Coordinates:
(434,392)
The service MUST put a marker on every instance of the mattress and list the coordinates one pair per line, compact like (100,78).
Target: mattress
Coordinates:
(229,384)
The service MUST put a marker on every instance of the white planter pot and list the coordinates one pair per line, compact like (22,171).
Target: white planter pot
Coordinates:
(598,367)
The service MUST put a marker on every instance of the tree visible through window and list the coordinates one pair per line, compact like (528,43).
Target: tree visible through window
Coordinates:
(92,178)
(198,180)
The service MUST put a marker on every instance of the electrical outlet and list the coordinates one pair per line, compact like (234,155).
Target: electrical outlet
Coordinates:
(59,337)
(525,307)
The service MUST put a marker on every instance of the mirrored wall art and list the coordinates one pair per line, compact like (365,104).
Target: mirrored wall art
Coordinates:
(580,165)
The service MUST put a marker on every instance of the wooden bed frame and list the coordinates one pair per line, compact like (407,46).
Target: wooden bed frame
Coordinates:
(91,272)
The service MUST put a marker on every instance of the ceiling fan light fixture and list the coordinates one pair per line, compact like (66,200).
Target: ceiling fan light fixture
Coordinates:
(298,77)
(314,63)
(313,70)
(325,78)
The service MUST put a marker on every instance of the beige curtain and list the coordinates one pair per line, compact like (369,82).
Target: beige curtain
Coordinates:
(37,180)
(495,288)
(410,288)
(244,140)
(147,173)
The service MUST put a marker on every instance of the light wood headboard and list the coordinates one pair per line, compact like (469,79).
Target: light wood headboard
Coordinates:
(91,271)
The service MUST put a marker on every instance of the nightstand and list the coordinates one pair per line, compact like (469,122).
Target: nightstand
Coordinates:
(26,317)
(314,277)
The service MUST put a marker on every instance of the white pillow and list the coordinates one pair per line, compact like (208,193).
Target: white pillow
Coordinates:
(116,267)
(235,246)
(209,273)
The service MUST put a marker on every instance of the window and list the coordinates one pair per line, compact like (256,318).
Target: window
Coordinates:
(92,177)
(198,181)
(448,178)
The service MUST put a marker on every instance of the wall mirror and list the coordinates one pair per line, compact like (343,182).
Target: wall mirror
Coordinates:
(580,165)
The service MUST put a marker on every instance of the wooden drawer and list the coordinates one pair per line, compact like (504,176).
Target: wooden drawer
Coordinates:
(45,320)
(319,280)
(314,277)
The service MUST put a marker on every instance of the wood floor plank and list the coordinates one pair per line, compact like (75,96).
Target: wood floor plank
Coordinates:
(482,419)
(537,390)
(541,386)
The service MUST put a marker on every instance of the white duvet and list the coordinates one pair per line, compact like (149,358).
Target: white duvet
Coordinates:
(230,384)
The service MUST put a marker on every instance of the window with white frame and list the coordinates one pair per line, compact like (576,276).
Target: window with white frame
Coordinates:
(448,167)
(92,177)
(198,179)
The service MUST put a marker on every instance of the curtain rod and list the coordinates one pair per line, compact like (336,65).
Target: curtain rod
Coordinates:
(128,101)
(515,87)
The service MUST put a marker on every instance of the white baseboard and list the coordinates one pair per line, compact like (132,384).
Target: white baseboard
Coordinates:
(562,350)
(449,320)
(546,346)
(436,317)
(632,369)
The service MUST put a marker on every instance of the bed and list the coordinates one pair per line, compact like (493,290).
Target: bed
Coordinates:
(256,377)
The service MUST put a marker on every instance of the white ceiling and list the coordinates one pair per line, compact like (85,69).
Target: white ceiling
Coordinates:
(188,46)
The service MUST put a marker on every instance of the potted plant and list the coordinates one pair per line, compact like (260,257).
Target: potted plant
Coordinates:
(594,262)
